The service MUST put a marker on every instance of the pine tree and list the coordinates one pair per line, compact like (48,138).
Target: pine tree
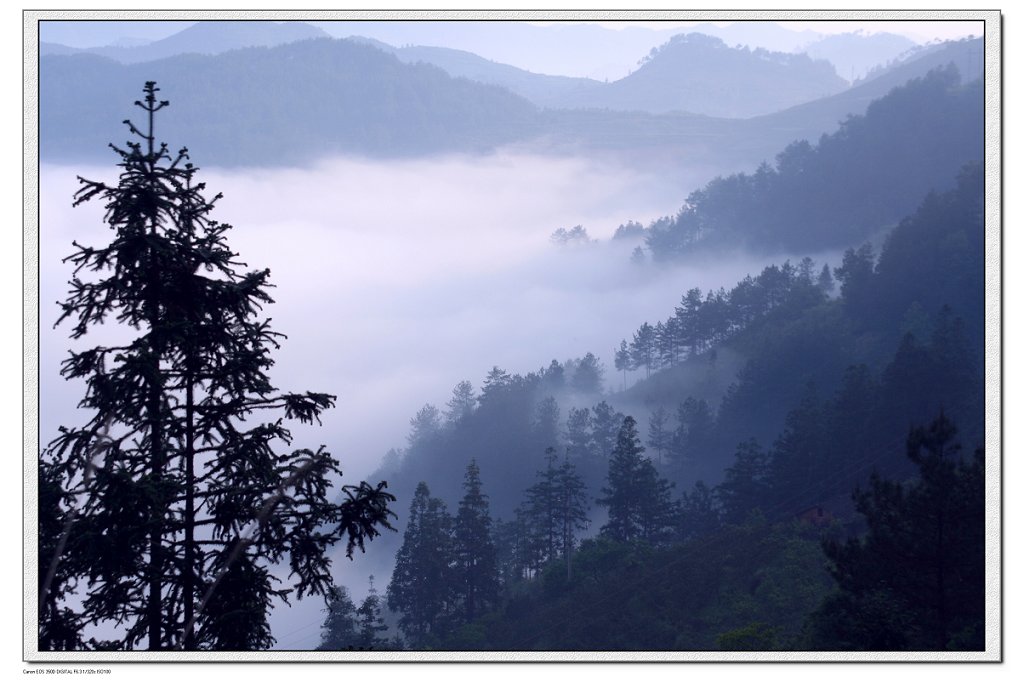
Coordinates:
(916,579)
(578,438)
(643,351)
(745,487)
(539,512)
(371,622)
(476,565)
(605,424)
(573,509)
(623,361)
(554,511)
(589,375)
(659,437)
(174,501)
(425,427)
(639,502)
(420,587)
(545,422)
(461,405)
(689,444)
(340,630)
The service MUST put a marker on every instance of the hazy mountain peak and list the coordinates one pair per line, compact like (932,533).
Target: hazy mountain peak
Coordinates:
(700,74)
(211,37)
(855,54)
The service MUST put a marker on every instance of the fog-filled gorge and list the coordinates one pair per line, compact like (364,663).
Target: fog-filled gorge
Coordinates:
(395,281)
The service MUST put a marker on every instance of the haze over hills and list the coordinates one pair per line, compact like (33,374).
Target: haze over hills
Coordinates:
(691,73)
(699,74)
(815,118)
(582,50)
(281,105)
(855,54)
(362,101)
(579,50)
(202,37)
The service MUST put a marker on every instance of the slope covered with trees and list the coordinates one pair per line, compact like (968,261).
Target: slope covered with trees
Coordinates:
(737,495)
(848,187)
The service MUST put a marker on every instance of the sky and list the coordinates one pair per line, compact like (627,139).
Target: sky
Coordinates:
(12,252)
(100,33)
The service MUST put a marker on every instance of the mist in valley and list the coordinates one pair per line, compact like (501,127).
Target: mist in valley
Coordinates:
(396,280)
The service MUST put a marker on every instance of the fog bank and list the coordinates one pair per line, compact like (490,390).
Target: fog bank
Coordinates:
(396,280)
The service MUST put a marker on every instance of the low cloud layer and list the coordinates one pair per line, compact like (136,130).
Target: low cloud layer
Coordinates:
(397,280)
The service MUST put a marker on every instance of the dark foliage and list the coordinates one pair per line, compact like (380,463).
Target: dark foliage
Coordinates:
(173,500)
(916,580)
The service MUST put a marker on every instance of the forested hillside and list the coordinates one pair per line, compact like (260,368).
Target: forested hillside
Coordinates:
(716,525)
(847,187)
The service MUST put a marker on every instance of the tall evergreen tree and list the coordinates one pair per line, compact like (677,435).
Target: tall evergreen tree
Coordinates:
(659,437)
(371,621)
(745,487)
(421,583)
(573,509)
(555,509)
(639,502)
(175,504)
(589,375)
(462,403)
(643,350)
(623,361)
(688,445)
(425,427)
(605,425)
(340,630)
(799,468)
(475,563)
(578,437)
(545,422)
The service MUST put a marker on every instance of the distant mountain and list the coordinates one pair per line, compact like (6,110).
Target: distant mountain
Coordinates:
(700,74)
(203,37)
(811,120)
(766,34)
(282,105)
(847,187)
(567,49)
(855,54)
(307,100)
(542,90)
(56,48)
(563,48)
(691,73)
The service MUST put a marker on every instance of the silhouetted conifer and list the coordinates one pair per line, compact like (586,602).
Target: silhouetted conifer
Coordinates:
(174,499)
